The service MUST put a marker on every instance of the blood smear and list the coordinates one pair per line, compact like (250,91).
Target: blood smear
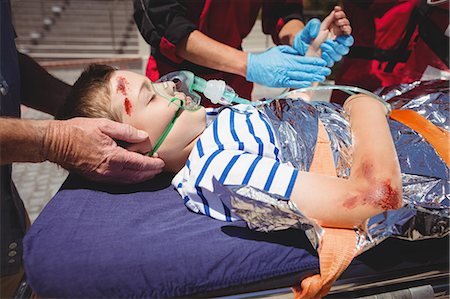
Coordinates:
(122,85)
(128,106)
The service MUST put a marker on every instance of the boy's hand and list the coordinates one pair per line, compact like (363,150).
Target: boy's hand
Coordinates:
(86,146)
(339,42)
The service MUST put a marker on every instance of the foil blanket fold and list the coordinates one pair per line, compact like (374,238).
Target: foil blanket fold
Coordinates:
(425,175)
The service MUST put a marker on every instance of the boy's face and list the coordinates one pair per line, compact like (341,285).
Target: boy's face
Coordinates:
(133,96)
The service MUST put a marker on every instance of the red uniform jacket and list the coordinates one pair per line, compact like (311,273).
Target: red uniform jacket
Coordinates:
(395,41)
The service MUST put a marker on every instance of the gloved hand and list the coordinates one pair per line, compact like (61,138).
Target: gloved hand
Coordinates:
(332,50)
(304,37)
(86,146)
(281,66)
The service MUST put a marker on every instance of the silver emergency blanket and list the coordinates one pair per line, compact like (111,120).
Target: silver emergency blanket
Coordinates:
(425,213)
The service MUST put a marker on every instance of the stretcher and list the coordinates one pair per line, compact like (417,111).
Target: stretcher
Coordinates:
(97,240)
(106,241)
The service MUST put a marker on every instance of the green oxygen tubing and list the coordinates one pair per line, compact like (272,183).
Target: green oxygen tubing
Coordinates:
(218,92)
(347,89)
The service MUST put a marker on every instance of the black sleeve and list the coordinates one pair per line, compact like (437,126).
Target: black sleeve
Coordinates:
(158,19)
(277,13)
(292,10)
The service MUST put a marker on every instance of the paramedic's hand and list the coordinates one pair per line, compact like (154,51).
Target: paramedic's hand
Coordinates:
(332,50)
(281,66)
(86,146)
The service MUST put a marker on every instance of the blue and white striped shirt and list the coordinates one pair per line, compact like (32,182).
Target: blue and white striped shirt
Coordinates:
(238,147)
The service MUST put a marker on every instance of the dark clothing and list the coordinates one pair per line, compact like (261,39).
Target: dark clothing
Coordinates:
(165,23)
(395,42)
(13,214)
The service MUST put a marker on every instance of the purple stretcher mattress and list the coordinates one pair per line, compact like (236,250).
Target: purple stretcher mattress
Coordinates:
(96,240)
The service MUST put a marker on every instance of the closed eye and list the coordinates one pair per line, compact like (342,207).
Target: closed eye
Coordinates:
(151,97)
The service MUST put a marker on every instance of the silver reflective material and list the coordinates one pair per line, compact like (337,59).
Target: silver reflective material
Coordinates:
(266,212)
(290,119)
(336,124)
(425,175)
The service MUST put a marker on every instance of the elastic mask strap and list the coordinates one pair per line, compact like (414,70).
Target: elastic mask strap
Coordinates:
(167,130)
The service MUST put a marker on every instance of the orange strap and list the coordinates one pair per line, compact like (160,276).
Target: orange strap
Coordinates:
(336,252)
(338,246)
(436,136)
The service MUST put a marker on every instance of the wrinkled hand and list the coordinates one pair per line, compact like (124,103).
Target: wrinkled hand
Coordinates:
(281,66)
(86,146)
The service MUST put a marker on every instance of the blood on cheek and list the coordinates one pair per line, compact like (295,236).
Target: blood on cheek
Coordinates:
(128,106)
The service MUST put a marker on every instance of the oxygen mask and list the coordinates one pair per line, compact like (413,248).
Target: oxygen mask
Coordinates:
(217,91)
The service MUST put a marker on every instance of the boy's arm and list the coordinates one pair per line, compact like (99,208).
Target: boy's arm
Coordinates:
(375,181)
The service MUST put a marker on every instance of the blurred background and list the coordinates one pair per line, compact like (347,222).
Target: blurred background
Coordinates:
(65,36)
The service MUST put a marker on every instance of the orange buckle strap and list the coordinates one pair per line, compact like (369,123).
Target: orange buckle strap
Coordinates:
(338,246)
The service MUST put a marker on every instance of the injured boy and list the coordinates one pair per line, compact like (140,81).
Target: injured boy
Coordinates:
(237,145)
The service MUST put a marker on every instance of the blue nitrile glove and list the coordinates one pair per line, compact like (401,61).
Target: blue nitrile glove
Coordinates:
(304,37)
(332,50)
(281,66)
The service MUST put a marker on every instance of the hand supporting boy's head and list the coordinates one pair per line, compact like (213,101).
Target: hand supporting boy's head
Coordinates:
(127,97)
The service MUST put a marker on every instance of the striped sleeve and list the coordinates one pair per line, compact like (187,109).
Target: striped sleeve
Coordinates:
(234,168)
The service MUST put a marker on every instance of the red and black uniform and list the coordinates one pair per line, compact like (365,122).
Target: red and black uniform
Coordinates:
(395,41)
(165,23)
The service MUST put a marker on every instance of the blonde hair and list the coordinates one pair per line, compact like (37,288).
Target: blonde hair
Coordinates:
(91,95)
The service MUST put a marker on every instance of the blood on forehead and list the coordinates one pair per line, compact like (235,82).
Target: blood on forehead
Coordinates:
(122,85)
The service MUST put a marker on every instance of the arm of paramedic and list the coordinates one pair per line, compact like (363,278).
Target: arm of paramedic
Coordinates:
(282,20)
(164,25)
(82,145)
(39,89)
(375,181)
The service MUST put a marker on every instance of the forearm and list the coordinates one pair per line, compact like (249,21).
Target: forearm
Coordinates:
(289,31)
(34,141)
(22,140)
(203,50)
(374,154)
(39,89)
